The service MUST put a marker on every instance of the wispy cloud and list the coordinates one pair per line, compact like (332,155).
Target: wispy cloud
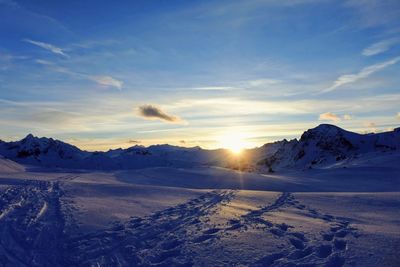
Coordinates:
(214,88)
(7,60)
(52,48)
(153,112)
(364,73)
(44,62)
(103,80)
(29,20)
(255,83)
(262,82)
(107,81)
(88,44)
(64,120)
(223,107)
(9,57)
(329,116)
(380,47)
(373,13)
(398,115)
(347,117)
(245,7)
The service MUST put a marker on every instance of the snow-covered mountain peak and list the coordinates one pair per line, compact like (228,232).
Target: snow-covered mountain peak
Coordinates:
(29,137)
(326,131)
(32,149)
(328,145)
(31,141)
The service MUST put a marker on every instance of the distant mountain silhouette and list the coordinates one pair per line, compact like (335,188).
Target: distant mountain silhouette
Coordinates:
(323,145)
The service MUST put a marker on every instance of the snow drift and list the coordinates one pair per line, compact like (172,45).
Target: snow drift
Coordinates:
(8,166)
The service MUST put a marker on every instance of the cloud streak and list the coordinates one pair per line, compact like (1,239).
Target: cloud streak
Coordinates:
(214,88)
(364,73)
(52,48)
(373,13)
(380,47)
(329,116)
(103,80)
(152,112)
(107,81)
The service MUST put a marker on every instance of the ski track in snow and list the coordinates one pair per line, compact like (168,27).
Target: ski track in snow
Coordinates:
(32,228)
(328,250)
(31,224)
(156,240)
(68,177)
(163,239)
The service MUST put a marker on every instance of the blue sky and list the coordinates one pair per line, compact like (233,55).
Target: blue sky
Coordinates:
(104,75)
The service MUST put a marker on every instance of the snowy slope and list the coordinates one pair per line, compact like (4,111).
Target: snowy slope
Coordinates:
(42,151)
(74,220)
(202,216)
(328,145)
(47,152)
(8,166)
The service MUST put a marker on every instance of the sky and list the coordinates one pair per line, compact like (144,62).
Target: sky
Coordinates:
(103,74)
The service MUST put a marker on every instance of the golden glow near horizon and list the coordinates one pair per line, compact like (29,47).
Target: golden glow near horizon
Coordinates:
(235,142)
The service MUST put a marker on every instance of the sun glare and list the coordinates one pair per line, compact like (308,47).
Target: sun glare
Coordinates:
(236,149)
(234,142)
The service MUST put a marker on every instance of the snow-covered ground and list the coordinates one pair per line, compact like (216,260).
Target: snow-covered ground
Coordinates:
(201,216)
(333,199)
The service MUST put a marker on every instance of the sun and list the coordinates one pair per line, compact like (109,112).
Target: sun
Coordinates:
(235,142)
(236,149)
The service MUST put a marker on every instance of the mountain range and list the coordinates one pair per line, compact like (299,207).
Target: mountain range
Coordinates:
(321,147)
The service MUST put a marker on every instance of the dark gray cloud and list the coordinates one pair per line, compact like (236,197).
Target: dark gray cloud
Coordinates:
(152,112)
